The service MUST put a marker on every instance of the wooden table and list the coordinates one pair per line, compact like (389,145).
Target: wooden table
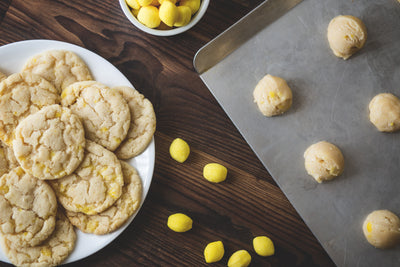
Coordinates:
(247,204)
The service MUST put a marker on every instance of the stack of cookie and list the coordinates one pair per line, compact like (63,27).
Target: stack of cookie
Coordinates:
(63,138)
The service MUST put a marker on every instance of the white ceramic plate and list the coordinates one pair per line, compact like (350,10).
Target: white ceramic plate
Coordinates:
(12,58)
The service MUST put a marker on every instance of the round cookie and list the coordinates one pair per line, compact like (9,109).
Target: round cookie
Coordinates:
(143,123)
(346,35)
(52,252)
(112,218)
(28,208)
(382,229)
(49,144)
(95,185)
(7,159)
(323,161)
(59,67)
(22,94)
(384,112)
(272,95)
(104,113)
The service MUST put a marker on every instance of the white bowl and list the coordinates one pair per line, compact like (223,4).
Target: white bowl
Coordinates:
(199,14)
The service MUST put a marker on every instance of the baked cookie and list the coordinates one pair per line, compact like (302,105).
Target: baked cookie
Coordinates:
(2,76)
(22,94)
(143,123)
(52,252)
(7,159)
(104,113)
(113,217)
(50,143)
(59,67)
(95,185)
(28,208)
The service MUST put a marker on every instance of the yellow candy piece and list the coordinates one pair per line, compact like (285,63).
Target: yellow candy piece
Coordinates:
(148,15)
(144,2)
(263,246)
(184,16)
(172,1)
(215,172)
(194,5)
(168,12)
(179,150)
(133,4)
(179,222)
(214,252)
(240,258)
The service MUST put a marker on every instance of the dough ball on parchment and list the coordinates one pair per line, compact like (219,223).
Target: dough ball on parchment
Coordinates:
(272,95)
(384,112)
(382,229)
(346,35)
(323,161)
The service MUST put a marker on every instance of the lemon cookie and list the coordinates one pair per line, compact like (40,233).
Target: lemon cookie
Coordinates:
(323,161)
(104,113)
(28,208)
(7,158)
(50,143)
(52,252)
(59,67)
(22,94)
(346,35)
(112,218)
(384,112)
(272,95)
(143,123)
(95,185)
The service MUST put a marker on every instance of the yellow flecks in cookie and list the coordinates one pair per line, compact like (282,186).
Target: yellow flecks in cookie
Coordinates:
(104,129)
(58,114)
(46,252)
(85,209)
(117,140)
(19,171)
(113,192)
(64,94)
(369,227)
(52,154)
(62,188)
(4,189)
(22,158)
(60,173)
(92,225)
(272,94)
(47,170)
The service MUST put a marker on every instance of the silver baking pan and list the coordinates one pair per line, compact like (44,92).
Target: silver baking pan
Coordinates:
(331,98)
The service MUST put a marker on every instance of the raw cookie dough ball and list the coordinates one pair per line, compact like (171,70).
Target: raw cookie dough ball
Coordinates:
(323,161)
(382,229)
(346,35)
(272,95)
(384,112)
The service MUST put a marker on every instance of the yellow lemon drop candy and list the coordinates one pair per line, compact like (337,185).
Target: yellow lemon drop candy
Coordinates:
(179,150)
(168,13)
(263,246)
(148,15)
(214,252)
(145,2)
(179,222)
(240,258)
(184,16)
(172,1)
(133,4)
(215,172)
(194,5)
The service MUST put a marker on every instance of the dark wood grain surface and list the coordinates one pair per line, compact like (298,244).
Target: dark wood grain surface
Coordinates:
(247,204)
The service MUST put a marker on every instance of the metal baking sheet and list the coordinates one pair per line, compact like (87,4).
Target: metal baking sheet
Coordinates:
(331,98)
